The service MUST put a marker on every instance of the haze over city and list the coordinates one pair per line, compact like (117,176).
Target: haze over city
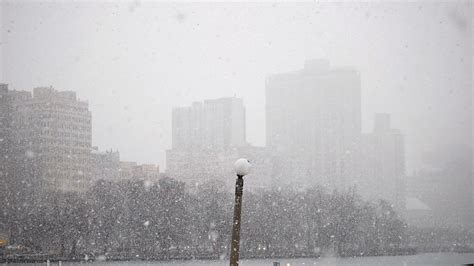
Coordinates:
(134,61)
(127,129)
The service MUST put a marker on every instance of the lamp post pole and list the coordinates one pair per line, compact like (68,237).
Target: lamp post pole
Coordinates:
(235,246)
(241,168)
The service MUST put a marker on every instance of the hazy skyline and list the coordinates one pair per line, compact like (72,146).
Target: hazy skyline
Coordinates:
(134,61)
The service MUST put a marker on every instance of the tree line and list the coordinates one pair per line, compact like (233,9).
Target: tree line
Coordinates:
(163,220)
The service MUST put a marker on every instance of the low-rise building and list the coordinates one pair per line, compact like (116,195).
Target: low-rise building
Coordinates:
(133,171)
(105,164)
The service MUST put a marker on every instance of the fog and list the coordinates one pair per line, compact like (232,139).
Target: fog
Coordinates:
(139,59)
(351,123)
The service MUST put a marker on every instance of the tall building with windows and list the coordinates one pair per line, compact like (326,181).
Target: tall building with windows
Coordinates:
(62,138)
(18,168)
(208,137)
(5,138)
(313,123)
(51,138)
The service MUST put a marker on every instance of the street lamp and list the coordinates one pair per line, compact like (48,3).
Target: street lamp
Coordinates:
(241,168)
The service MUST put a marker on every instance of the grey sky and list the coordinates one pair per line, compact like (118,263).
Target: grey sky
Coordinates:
(134,61)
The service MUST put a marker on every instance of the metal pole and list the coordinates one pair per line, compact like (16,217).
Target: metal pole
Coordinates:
(235,245)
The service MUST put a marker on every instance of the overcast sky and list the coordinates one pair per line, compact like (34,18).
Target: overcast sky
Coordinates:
(134,61)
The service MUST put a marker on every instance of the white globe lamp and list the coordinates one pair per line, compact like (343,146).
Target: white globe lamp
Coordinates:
(242,167)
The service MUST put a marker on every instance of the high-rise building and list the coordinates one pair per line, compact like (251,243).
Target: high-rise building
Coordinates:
(207,137)
(213,124)
(62,138)
(18,167)
(313,123)
(382,164)
(51,138)
(5,138)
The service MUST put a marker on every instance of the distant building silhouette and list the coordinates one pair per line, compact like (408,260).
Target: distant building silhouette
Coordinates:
(216,124)
(382,163)
(207,137)
(444,183)
(313,123)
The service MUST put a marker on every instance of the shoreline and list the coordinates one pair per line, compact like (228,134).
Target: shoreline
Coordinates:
(42,258)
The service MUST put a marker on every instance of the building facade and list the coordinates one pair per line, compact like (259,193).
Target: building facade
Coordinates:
(105,165)
(62,139)
(6,158)
(215,124)
(50,138)
(205,137)
(134,171)
(382,164)
(208,137)
(313,123)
